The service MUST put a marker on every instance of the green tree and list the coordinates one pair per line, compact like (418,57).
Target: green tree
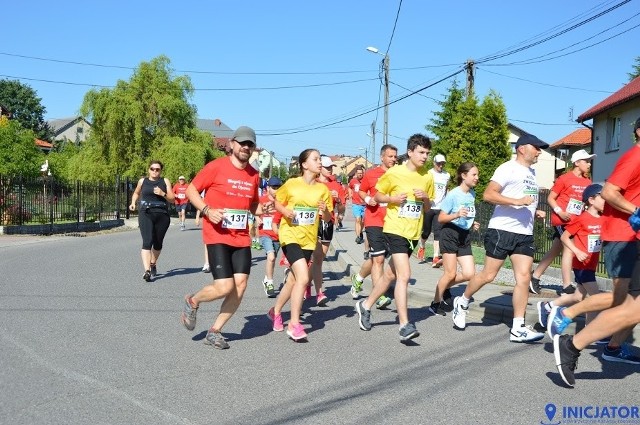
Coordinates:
(18,151)
(636,69)
(441,125)
(495,137)
(146,118)
(25,107)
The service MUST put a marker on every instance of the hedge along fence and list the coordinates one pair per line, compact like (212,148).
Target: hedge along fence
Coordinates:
(42,201)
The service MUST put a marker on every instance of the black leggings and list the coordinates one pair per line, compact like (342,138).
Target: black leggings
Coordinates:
(153,226)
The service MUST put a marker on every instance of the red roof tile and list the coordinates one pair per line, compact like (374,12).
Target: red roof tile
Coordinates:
(630,91)
(44,144)
(580,137)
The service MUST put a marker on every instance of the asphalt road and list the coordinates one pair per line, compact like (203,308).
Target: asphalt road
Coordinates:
(84,340)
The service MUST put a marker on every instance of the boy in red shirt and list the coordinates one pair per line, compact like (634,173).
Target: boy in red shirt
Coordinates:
(267,231)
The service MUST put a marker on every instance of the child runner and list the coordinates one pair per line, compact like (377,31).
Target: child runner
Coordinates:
(457,214)
(268,237)
(300,200)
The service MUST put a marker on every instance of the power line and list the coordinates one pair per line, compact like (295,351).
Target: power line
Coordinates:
(541,123)
(394,27)
(545,84)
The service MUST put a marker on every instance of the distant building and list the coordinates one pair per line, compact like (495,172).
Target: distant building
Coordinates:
(72,129)
(546,165)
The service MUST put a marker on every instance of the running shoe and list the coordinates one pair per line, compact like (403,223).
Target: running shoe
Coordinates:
(147,276)
(182,227)
(383,302)
(436,309)
(420,253)
(569,289)
(408,331)
(276,319)
(356,287)
(284,280)
(307,293)
(206,269)
(525,333)
(284,262)
(459,314)
(296,332)
(436,263)
(566,358)
(153,270)
(216,340)
(188,316)
(321,299)
(543,313)
(603,341)
(366,255)
(268,288)
(364,316)
(447,301)
(621,354)
(534,285)
(557,322)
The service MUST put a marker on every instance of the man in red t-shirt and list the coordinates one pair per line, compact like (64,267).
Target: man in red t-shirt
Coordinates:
(565,197)
(180,191)
(231,194)
(620,246)
(373,223)
(357,203)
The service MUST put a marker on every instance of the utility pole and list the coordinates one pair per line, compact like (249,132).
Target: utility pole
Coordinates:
(385,63)
(270,163)
(373,140)
(470,76)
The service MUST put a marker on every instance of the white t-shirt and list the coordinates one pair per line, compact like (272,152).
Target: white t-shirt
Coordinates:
(516,181)
(440,182)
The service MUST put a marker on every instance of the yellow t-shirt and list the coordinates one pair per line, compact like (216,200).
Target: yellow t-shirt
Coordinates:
(303,199)
(405,220)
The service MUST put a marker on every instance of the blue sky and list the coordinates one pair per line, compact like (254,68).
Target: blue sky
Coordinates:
(258,47)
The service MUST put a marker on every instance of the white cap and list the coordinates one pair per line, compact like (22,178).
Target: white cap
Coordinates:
(326,161)
(581,154)
(181,178)
(439,158)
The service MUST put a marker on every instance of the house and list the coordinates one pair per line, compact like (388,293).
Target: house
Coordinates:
(72,129)
(546,165)
(613,120)
(221,132)
(44,145)
(263,161)
(566,146)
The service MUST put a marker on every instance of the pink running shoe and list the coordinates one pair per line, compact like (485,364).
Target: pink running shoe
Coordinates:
(321,299)
(284,262)
(277,320)
(296,332)
(307,293)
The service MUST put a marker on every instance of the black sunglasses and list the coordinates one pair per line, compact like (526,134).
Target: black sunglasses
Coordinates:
(246,143)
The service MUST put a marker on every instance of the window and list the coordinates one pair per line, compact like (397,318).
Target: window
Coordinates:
(613,134)
(79,129)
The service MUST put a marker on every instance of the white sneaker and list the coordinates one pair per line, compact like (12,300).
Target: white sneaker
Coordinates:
(206,269)
(459,314)
(525,333)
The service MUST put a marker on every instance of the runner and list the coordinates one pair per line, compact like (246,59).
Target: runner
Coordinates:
(268,235)
(514,191)
(231,194)
(374,221)
(299,200)
(180,192)
(441,180)
(457,217)
(357,204)
(407,189)
(565,198)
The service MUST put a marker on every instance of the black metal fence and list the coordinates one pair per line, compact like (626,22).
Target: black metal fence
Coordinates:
(46,200)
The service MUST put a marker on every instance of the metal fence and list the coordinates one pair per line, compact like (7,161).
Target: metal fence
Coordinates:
(46,200)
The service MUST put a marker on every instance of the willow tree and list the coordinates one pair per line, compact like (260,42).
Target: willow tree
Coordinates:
(148,117)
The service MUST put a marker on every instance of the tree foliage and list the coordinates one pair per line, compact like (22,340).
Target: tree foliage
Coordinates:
(636,69)
(25,107)
(18,151)
(146,118)
(469,131)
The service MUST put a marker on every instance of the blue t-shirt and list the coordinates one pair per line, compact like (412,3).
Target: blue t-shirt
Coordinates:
(457,199)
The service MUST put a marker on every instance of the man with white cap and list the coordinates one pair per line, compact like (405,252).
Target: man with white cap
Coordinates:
(565,198)
(180,190)
(440,180)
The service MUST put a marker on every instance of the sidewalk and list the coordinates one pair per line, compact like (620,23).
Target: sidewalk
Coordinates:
(493,303)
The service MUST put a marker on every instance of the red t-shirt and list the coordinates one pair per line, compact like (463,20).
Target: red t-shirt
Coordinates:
(233,190)
(586,229)
(354,185)
(333,184)
(180,191)
(569,188)
(266,228)
(625,175)
(373,216)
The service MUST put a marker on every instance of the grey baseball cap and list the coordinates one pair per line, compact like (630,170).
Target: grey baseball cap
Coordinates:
(244,134)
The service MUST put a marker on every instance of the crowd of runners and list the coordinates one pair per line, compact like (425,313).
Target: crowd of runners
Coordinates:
(397,205)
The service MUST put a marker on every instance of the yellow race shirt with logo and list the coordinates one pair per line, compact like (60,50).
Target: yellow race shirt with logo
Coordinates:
(302,198)
(406,219)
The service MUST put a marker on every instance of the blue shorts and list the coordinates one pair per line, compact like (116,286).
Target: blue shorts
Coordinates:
(181,207)
(358,210)
(269,245)
(584,276)
(619,258)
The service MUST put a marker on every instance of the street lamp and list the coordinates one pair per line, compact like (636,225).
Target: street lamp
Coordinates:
(385,67)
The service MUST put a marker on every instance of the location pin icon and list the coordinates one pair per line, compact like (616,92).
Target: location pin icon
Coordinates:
(550,410)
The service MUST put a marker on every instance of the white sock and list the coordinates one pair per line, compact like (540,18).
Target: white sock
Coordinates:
(359,278)
(464,301)
(518,322)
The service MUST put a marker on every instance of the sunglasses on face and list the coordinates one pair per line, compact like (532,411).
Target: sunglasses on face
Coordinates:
(155,169)
(246,143)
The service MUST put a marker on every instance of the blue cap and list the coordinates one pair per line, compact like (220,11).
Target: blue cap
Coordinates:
(591,191)
(274,181)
